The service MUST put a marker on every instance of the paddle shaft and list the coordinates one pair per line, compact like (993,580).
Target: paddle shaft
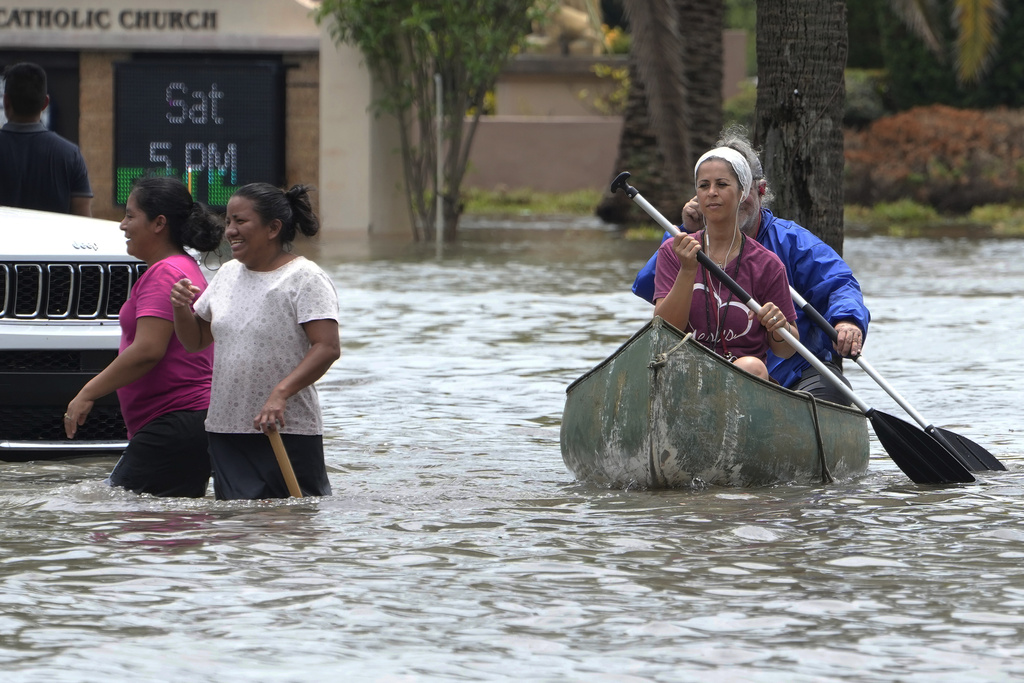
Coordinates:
(284,463)
(827,327)
(743,296)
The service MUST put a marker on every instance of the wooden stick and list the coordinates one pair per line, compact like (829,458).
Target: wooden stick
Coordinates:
(284,463)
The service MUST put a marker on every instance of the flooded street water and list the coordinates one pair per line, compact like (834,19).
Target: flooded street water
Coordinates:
(458,547)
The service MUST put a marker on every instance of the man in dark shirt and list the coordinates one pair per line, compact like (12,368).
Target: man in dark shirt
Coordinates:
(38,168)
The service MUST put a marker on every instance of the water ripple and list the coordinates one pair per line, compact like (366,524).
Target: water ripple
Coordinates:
(457,546)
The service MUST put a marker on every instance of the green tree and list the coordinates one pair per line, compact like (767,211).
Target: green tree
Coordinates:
(865,42)
(406,42)
(917,75)
(976,23)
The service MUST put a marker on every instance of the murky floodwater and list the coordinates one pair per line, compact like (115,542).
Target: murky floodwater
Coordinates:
(457,546)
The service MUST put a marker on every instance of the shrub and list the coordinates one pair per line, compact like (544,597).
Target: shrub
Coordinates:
(1004,219)
(866,92)
(951,159)
(616,41)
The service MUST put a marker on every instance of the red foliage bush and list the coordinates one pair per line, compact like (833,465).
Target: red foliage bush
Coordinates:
(952,159)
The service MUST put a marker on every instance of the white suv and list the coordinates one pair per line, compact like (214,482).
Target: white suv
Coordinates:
(63,279)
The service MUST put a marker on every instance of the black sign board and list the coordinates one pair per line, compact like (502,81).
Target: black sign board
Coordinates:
(216,126)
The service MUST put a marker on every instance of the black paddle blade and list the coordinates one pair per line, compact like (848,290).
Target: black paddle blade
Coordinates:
(974,457)
(918,454)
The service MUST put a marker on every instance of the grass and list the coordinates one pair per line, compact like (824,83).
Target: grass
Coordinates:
(904,218)
(643,233)
(525,202)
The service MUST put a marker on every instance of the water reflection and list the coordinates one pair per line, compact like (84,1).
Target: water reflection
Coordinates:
(458,547)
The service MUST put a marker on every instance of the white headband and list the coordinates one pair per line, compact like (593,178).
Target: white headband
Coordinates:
(739,166)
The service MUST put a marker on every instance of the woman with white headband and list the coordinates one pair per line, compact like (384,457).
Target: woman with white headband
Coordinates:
(689,297)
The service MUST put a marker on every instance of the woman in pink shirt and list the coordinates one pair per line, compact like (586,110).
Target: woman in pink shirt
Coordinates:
(164,391)
(693,300)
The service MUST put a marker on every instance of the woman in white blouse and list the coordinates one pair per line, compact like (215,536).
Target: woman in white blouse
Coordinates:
(274,316)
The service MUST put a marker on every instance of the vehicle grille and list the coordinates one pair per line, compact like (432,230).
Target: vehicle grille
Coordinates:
(47,424)
(40,361)
(66,291)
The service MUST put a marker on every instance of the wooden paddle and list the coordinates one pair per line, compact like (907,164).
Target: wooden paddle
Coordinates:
(971,455)
(917,453)
(284,463)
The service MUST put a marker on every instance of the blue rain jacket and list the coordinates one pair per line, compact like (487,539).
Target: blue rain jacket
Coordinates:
(816,271)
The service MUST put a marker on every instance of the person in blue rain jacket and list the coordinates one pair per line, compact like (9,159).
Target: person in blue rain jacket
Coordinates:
(814,269)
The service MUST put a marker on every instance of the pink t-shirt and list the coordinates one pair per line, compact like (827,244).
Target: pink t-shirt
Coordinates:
(181,380)
(760,273)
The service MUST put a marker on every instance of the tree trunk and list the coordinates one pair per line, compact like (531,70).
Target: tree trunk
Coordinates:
(694,106)
(801,55)
(702,24)
(638,154)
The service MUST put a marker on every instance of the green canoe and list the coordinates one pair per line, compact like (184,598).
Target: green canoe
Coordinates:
(665,412)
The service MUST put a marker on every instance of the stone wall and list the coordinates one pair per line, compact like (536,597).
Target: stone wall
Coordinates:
(545,153)
(302,121)
(96,127)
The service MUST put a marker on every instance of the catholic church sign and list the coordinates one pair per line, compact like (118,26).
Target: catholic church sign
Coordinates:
(61,18)
(147,25)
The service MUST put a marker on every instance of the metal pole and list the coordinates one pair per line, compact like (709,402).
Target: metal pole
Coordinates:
(439,218)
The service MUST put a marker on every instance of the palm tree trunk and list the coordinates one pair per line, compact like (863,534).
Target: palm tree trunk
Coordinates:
(702,25)
(674,111)
(801,55)
(638,153)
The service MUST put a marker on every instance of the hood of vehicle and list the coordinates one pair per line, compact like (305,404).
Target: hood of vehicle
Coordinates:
(44,236)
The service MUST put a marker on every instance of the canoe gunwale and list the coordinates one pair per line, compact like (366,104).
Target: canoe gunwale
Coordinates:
(657,321)
(767,384)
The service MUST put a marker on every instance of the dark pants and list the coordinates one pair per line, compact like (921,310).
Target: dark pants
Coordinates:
(245,467)
(169,456)
(820,387)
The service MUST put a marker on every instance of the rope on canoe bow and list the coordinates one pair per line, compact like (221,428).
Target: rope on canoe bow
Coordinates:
(662,358)
(826,476)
